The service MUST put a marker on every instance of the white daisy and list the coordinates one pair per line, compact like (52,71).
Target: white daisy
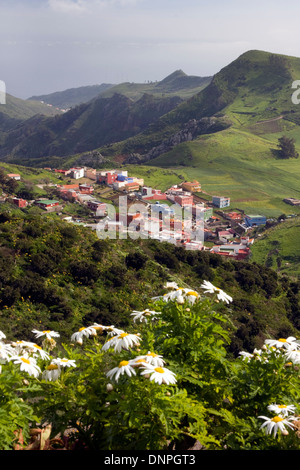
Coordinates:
(277,423)
(48,333)
(64,362)
(6,351)
(27,364)
(110,342)
(2,335)
(191,296)
(283,410)
(51,372)
(245,355)
(288,343)
(293,355)
(179,295)
(171,285)
(153,359)
(209,288)
(124,367)
(84,332)
(112,330)
(142,315)
(255,355)
(35,348)
(160,375)
(122,341)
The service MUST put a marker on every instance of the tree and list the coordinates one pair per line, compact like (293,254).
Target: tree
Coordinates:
(286,147)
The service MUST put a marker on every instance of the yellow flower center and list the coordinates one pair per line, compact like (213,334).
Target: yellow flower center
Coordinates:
(152,354)
(37,346)
(192,293)
(81,329)
(282,340)
(123,363)
(23,359)
(277,419)
(46,331)
(52,367)
(122,335)
(140,360)
(281,406)
(159,369)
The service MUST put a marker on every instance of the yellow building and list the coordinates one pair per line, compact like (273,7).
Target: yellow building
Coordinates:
(193,186)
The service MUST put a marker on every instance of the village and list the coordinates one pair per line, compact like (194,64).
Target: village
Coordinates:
(150,212)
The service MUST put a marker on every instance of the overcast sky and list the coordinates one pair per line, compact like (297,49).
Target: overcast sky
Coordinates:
(52,45)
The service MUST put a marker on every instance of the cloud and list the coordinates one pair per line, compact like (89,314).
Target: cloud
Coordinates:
(67,6)
(81,6)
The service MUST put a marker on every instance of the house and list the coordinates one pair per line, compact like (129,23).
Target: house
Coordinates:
(19,202)
(233,216)
(65,187)
(131,186)
(192,187)
(164,209)
(153,194)
(86,189)
(221,201)
(77,173)
(47,204)
(206,211)
(254,220)
(90,173)
(237,252)
(62,172)
(184,200)
(68,194)
(225,235)
(98,207)
(14,176)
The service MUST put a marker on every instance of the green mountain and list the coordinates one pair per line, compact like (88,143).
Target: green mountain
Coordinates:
(177,84)
(15,111)
(235,124)
(72,96)
(225,136)
(101,115)
(85,127)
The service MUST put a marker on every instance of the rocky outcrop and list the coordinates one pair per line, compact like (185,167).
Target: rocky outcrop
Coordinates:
(189,132)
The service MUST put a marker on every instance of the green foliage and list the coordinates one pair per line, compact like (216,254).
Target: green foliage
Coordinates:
(199,393)
(286,147)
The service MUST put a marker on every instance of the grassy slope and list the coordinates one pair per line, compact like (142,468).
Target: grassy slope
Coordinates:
(280,243)
(15,108)
(240,162)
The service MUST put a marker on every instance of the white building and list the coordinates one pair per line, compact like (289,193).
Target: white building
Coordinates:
(77,173)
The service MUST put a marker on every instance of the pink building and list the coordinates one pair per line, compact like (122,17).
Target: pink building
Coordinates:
(184,200)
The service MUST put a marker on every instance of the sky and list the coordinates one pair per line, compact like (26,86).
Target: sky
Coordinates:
(52,45)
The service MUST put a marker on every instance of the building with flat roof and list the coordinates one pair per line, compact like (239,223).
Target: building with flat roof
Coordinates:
(254,220)
(221,201)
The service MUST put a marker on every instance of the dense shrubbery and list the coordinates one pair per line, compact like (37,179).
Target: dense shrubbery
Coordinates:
(61,274)
(165,381)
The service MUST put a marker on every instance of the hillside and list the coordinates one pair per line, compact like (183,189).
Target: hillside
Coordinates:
(73,96)
(85,127)
(278,248)
(60,276)
(15,111)
(176,84)
(253,96)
